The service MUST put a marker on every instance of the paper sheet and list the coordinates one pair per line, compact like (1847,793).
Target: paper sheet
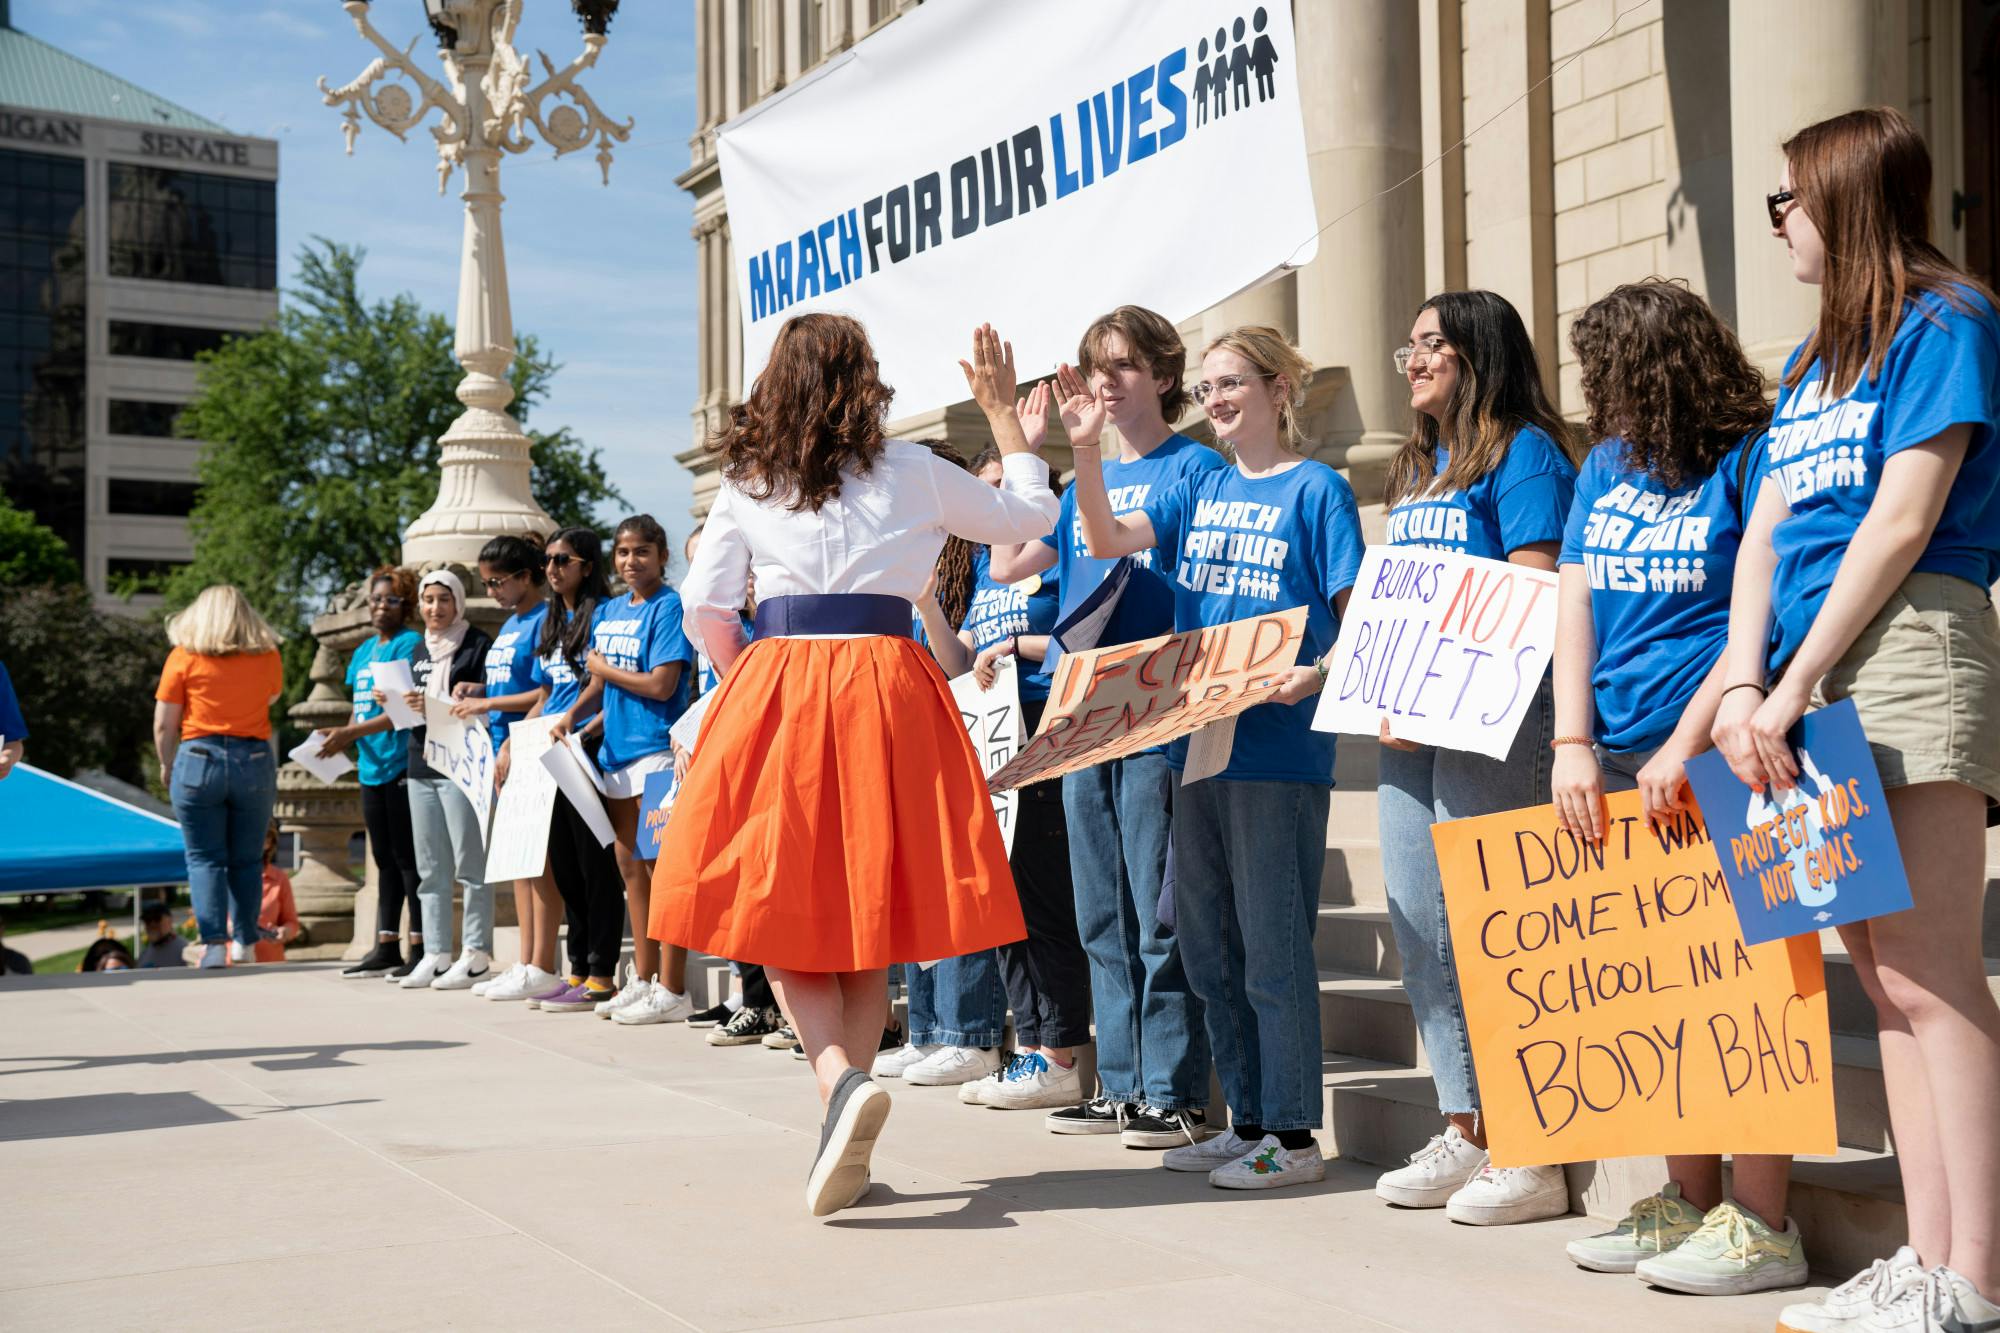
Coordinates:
(306,755)
(578,789)
(687,728)
(583,761)
(1208,750)
(393,678)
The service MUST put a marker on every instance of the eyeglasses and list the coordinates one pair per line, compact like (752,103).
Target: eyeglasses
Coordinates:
(558,561)
(491,584)
(1422,354)
(1223,384)
(1776,203)
(385,599)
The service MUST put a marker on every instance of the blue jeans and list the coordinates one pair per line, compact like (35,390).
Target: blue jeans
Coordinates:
(957,1003)
(223,788)
(1249,856)
(1150,1044)
(1420,788)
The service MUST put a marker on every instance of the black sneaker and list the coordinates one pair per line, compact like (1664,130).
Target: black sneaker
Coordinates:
(746,1027)
(1157,1128)
(1099,1115)
(377,962)
(712,1016)
(782,1039)
(398,973)
(892,1040)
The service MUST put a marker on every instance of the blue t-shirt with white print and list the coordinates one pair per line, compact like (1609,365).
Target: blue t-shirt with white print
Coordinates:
(510,665)
(564,682)
(1236,546)
(1524,500)
(641,638)
(1146,607)
(1942,369)
(707,678)
(1660,561)
(385,756)
(999,610)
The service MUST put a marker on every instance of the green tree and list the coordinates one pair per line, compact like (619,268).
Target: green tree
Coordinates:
(30,554)
(322,446)
(85,678)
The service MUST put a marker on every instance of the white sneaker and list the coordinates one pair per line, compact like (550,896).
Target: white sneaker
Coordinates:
(526,979)
(1032,1082)
(239,952)
(1874,1285)
(479,988)
(1939,1301)
(1270,1165)
(1436,1172)
(949,1066)
(1500,1195)
(466,972)
(635,989)
(1205,1156)
(427,970)
(657,1005)
(891,1064)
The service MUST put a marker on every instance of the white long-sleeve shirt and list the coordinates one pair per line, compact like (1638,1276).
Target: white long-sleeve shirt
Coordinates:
(880,534)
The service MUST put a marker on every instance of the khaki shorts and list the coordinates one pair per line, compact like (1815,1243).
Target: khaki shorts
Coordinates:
(1925,678)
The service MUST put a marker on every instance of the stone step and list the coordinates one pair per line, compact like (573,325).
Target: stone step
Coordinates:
(1357,940)
(1353,874)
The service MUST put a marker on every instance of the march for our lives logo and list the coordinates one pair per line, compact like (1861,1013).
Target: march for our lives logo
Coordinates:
(1820,854)
(1156,107)
(1230,551)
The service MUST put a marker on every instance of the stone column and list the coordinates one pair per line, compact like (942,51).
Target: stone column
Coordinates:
(1355,300)
(332,902)
(1791,62)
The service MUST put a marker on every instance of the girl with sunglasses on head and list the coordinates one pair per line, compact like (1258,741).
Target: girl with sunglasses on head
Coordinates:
(1488,471)
(382,764)
(1864,576)
(511,568)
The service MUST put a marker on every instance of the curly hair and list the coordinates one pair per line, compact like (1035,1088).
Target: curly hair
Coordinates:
(1663,373)
(817,409)
(402,583)
(955,561)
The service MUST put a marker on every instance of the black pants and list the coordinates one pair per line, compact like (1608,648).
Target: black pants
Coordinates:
(1046,975)
(385,809)
(593,894)
(756,987)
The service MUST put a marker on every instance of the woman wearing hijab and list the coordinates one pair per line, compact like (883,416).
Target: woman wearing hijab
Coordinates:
(445,824)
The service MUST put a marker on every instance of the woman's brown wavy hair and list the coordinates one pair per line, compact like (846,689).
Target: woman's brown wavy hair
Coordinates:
(817,408)
(1663,373)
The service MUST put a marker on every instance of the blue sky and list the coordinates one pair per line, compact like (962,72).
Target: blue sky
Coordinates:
(603,276)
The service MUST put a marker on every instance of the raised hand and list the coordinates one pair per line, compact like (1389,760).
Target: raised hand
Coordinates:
(1081,409)
(990,373)
(1033,413)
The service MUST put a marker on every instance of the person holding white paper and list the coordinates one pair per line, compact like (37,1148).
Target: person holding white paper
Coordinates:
(1487,470)
(1681,415)
(446,827)
(1276,530)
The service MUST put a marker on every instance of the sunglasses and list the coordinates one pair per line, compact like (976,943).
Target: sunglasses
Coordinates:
(1776,203)
(558,561)
(491,584)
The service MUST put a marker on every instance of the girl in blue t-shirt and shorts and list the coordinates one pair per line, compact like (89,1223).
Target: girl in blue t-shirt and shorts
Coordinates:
(1864,576)
(1486,471)
(1647,561)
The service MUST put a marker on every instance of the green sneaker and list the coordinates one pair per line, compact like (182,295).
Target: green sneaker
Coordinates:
(1656,1224)
(1733,1253)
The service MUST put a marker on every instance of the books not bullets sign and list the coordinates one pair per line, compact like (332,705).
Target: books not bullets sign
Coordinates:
(993,719)
(1449,648)
(1106,703)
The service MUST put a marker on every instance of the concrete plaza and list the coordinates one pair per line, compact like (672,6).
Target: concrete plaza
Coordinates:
(278,1148)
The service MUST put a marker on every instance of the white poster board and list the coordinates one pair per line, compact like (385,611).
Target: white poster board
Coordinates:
(519,845)
(1449,648)
(463,752)
(577,779)
(993,719)
(970,143)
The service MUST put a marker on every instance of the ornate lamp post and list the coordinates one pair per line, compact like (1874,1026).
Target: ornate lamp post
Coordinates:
(487,108)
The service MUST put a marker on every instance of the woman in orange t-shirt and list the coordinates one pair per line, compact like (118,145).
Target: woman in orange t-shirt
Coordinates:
(212,732)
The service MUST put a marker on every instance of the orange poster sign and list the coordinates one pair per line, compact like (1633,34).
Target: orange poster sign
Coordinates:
(1613,1007)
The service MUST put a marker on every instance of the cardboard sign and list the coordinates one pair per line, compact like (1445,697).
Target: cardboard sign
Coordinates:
(1110,702)
(1449,648)
(1613,1007)
(655,804)
(993,719)
(1822,854)
(519,845)
(462,752)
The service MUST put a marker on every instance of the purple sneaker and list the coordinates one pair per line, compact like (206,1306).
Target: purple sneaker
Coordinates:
(579,998)
(554,991)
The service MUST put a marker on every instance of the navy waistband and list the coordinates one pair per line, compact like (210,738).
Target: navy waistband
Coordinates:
(834,613)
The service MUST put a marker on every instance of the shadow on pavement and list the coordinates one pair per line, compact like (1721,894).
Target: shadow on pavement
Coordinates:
(284,1059)
(106,1113)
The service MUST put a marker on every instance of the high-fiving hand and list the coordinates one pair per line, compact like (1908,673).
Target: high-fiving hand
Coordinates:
(1033,412)
(990,373)
(1082,410)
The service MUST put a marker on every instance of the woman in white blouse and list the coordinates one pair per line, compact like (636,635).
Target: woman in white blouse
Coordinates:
(835,820)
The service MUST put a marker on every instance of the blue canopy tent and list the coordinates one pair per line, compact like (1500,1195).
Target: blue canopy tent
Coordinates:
(61,837)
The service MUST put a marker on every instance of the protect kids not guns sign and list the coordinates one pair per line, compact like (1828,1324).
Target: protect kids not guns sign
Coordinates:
(1613,1007)
(1449,648)
(1105,703)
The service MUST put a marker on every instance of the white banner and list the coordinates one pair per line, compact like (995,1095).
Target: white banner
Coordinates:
(993,719)
(463,752)
(1448,647)
(519,847)
(1033,163)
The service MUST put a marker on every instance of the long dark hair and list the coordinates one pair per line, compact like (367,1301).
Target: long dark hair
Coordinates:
(818,407)
(1499,391)
(570,630)
(1663,373)
(1864,178)
(511,554)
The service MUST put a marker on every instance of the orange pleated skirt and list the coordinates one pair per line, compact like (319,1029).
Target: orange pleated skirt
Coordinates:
(835,818)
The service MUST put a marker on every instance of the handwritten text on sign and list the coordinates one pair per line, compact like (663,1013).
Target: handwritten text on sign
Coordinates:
(1613,1007)
(463,752)
(993,719)
(1107,703)
(1448,647)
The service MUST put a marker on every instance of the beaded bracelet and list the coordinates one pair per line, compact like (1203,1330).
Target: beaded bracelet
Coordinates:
(1561,741)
